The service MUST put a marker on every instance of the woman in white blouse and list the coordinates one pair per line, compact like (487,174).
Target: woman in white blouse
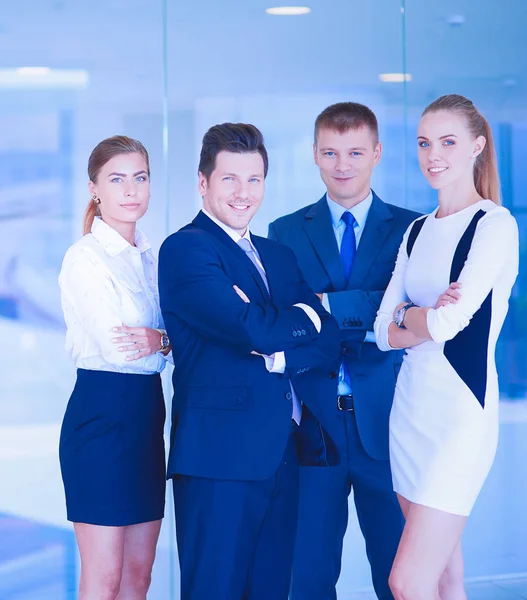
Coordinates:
(111,447)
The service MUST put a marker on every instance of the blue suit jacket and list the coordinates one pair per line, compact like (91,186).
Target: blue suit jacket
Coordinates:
(231,418)
(354,304)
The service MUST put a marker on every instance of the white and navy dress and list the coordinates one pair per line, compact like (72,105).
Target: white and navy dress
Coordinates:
(112,452)
(444,421)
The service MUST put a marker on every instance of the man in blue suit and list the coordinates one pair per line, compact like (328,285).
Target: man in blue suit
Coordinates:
(346,245)
(245,328)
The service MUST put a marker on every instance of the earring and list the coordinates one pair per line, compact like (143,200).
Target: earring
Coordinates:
(95,199)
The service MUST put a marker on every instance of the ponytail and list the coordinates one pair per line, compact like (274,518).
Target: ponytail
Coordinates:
(92,211)
(486,177)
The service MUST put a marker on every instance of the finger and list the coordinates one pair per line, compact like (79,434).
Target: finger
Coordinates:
(136,355)
(455,296)
(455,285)
(132,347)
(241,293)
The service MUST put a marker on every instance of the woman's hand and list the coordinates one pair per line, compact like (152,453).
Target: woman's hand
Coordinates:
(451,296)
(142,341)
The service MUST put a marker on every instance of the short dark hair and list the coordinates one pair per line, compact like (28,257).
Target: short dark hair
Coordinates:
(231,137)
(343,116)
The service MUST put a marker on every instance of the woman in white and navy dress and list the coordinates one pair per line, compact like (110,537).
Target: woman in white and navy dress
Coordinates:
(111,446)
(444,421)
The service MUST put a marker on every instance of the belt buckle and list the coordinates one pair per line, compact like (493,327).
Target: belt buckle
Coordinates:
(343,408)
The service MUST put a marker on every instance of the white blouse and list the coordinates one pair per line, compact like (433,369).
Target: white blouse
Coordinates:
(105,282)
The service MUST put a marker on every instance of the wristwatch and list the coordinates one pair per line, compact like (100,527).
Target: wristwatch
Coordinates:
(165,342)
(400,314)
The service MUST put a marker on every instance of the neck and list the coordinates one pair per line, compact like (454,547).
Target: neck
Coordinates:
(456,197)
(126,230)
(348,203)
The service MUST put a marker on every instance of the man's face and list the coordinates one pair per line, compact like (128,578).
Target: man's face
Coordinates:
(235,189)
(346,161)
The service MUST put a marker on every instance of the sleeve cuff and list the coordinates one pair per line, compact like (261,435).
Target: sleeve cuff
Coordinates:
(312,314)
(275,363)
(325,302)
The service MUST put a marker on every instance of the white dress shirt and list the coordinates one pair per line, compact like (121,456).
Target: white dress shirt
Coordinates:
(105,282)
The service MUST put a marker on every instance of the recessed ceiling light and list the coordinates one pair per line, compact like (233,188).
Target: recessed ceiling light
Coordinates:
(288,11)
(395,77)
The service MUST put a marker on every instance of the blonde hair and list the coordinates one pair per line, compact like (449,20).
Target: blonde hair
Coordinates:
(486,177)
(101,154)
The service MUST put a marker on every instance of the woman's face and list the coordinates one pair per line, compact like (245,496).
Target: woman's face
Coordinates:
(446,148)
(123,187)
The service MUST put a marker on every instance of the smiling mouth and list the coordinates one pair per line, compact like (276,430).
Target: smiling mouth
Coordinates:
(240,208)
(437,170)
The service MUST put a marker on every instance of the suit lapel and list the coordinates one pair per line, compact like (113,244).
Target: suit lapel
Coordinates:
(378,227)
(319,229)
(203,222)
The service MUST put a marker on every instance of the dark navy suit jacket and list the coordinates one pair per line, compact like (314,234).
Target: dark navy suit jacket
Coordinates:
(231,418)
(354,304)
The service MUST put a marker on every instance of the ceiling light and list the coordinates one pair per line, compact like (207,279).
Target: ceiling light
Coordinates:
(43,77)
(395,77)
(33,71)
(288,11)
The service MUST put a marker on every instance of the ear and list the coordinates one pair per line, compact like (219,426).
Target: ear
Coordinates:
(315,154)
(202,184)
(479,145)
(377,153)
(92,188)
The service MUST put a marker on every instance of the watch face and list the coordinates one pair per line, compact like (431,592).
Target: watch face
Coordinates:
(165,342)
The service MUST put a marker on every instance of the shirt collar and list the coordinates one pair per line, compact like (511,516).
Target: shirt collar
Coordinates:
(359,211)
(234,235)
(113,242)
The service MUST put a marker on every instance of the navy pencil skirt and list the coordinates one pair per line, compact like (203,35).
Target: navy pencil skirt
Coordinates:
(112,454)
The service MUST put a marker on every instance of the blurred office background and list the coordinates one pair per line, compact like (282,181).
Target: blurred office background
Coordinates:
(73,72)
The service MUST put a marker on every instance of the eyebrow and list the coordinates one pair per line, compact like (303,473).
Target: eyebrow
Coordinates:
(329,148)
(235,175)
(124,174)
(449,135)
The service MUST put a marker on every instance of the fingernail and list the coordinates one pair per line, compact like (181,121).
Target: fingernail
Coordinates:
(115,329)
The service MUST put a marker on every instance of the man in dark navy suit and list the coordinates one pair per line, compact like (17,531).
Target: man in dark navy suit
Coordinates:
(346,245)
(245,328)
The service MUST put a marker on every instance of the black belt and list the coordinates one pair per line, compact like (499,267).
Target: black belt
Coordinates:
(345,402)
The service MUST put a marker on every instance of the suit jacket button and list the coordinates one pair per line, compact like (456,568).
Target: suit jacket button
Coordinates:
(294,333)
(289,396)
(303,332)
(332,375)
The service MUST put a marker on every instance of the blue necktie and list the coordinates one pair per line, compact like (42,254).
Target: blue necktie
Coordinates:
(348,247)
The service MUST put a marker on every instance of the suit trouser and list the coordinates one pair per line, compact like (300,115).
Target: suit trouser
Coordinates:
(236,538)
(323,518)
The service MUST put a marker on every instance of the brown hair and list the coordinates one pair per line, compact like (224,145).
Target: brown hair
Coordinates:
(343,116)
(231,137)
(486,177)
(101,154)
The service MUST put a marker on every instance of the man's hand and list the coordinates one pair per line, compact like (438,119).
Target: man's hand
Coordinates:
(451,296)
(242,294)
(320,296)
